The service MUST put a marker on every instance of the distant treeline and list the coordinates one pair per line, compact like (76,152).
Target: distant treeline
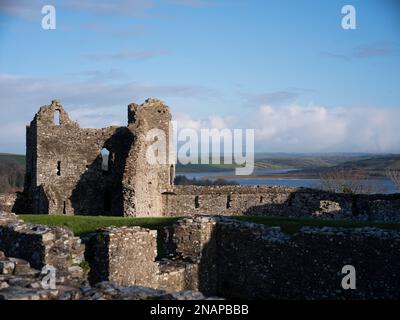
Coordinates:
(11,176)
(182,180)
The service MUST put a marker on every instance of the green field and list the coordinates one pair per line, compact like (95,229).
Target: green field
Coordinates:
(81,225)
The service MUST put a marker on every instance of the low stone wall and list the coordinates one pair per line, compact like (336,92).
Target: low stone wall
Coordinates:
(41,245)
(127,256)
(258,262)
(124,255)
(225,257)
(251,261)
(279,201)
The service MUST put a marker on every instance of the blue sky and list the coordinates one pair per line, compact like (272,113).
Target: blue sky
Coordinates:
(285,68)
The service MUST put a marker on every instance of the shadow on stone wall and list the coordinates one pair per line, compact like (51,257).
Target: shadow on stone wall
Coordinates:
(101,193)
(97,255)
(311,202)
(248,261)
(208,268)
(323,204)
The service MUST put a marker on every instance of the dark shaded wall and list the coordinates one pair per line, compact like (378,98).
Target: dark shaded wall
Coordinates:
(251,261)
(261,263)
(279,201)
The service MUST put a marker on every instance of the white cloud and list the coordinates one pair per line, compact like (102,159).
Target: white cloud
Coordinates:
(297,128)
(290,128)
(94,100)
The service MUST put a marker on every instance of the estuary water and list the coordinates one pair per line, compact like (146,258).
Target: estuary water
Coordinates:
(386,185)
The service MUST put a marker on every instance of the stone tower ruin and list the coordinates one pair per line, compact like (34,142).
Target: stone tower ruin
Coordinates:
(73,170)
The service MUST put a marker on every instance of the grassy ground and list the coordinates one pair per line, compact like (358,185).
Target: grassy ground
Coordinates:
(85,224)
(293,225)
(81,225)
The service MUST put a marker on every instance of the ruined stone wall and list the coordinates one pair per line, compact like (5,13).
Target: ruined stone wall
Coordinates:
(279,201)
(127,256)
(252,261)
(64,172)
(41,245)
(259,262)
(151,171)
(114,252)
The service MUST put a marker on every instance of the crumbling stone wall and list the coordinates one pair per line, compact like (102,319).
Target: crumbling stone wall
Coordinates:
(113,252)
(64,172)
(225,257)
(41,245)
(279,201)
(127,256)
(258,262)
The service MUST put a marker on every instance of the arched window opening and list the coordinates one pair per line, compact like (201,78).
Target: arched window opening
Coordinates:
(57,117)
(229,201)
(197,202)
(106,161)
(59,168)
(171,175)
(107,200)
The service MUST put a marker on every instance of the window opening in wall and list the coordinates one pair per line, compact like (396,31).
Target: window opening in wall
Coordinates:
(229,201)
(107,200)
(106,160)
(64,208)
(171,175)
(57,117)
(261,199)
(197,202)
(59,168)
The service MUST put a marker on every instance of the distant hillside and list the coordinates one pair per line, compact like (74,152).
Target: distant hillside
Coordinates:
(12,170)
(17,158)
(374,165)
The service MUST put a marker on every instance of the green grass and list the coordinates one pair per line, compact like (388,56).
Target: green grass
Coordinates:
(81,225)
(293,225)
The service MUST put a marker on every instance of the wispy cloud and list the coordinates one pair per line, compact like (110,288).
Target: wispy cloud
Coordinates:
(31,10)
(333,55)
(94,103)
(28,10)
(130,54)
(370,50)
(271,98)
(191,3)
(99,75)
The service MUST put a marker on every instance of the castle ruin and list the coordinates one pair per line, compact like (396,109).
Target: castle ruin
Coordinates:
(77,171)
(72,170)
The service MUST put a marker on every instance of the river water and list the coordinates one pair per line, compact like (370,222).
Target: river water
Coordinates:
(384,185)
